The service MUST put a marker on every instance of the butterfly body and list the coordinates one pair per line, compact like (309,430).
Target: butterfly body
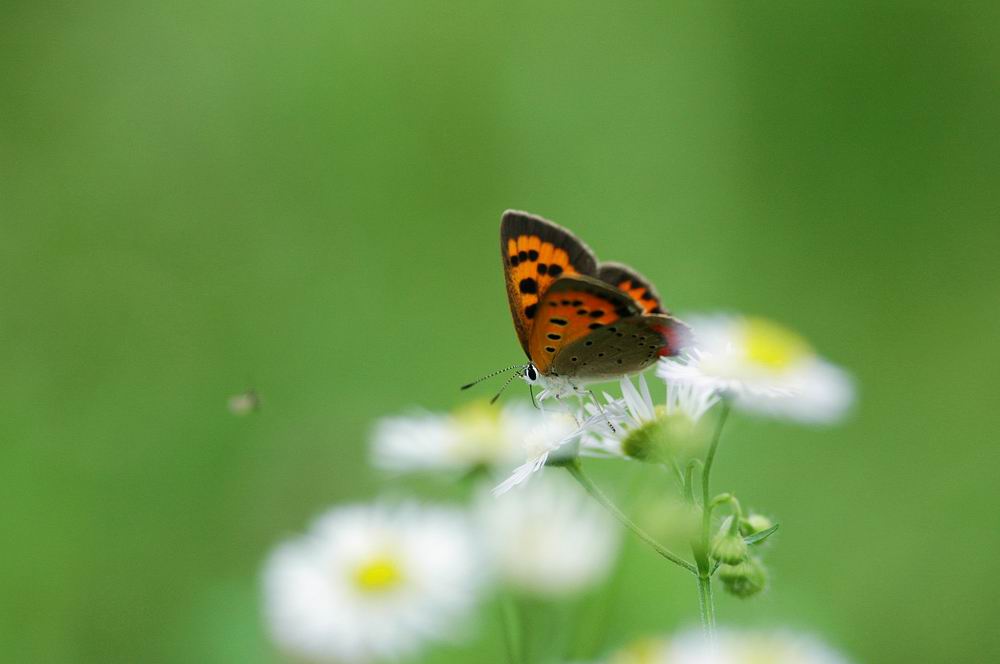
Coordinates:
(578,320)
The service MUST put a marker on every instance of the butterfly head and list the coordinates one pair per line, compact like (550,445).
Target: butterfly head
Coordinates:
(551,384)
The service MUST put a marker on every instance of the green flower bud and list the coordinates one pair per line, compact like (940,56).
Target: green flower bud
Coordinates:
(745,579)
(649,442)
(664,437)
(754,524)
(729,548)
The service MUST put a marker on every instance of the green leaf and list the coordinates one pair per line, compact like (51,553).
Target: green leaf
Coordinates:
(757,538)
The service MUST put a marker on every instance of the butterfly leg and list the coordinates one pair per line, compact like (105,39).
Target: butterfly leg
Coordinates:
(597,403)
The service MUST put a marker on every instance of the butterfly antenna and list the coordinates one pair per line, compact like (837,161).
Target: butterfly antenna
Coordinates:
(491,375)
(504,387)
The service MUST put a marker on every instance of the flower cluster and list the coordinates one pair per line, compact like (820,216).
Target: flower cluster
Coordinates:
(753,364)
(379,581)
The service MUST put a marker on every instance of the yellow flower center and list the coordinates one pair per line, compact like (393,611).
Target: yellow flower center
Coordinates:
(481,437)
(646,651)
(772,345)
(378,575)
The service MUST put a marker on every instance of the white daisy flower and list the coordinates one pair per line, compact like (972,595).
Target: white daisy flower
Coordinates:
(600,430)
(475,435)
(730,647)
(636,410)
(548,538)
(372,582)
(761,367)
(548,440)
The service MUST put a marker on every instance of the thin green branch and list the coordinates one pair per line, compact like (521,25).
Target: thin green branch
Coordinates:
(706,471)
(689,480)
(576,470)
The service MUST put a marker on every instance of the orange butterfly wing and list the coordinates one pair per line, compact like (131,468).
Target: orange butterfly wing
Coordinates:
(537,252)
(570,309)
(629,281)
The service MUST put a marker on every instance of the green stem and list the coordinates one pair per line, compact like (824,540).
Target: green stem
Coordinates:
(512,630)
(576,470)
(706,605)
(706,473)
(701,549)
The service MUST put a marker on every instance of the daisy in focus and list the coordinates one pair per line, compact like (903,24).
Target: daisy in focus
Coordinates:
(548,538)
(372,582)
(617,428)
(474,436)
(730,647)
(641,428)
(761,367)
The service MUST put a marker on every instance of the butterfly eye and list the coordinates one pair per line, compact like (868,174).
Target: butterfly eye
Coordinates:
(531,374)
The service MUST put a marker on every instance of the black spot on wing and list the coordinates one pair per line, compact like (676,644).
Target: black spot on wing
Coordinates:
(528,285)
(529,311)
(555,270)
(516,224)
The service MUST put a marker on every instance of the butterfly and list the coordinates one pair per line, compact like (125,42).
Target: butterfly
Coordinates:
(579,321)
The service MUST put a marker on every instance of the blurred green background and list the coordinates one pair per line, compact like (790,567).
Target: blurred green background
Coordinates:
(200,197)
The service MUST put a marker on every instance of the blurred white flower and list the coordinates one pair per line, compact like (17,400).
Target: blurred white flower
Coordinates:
(477,434)
(544,441)
(548,538)
(730,647)
(762,367)
(372,582)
